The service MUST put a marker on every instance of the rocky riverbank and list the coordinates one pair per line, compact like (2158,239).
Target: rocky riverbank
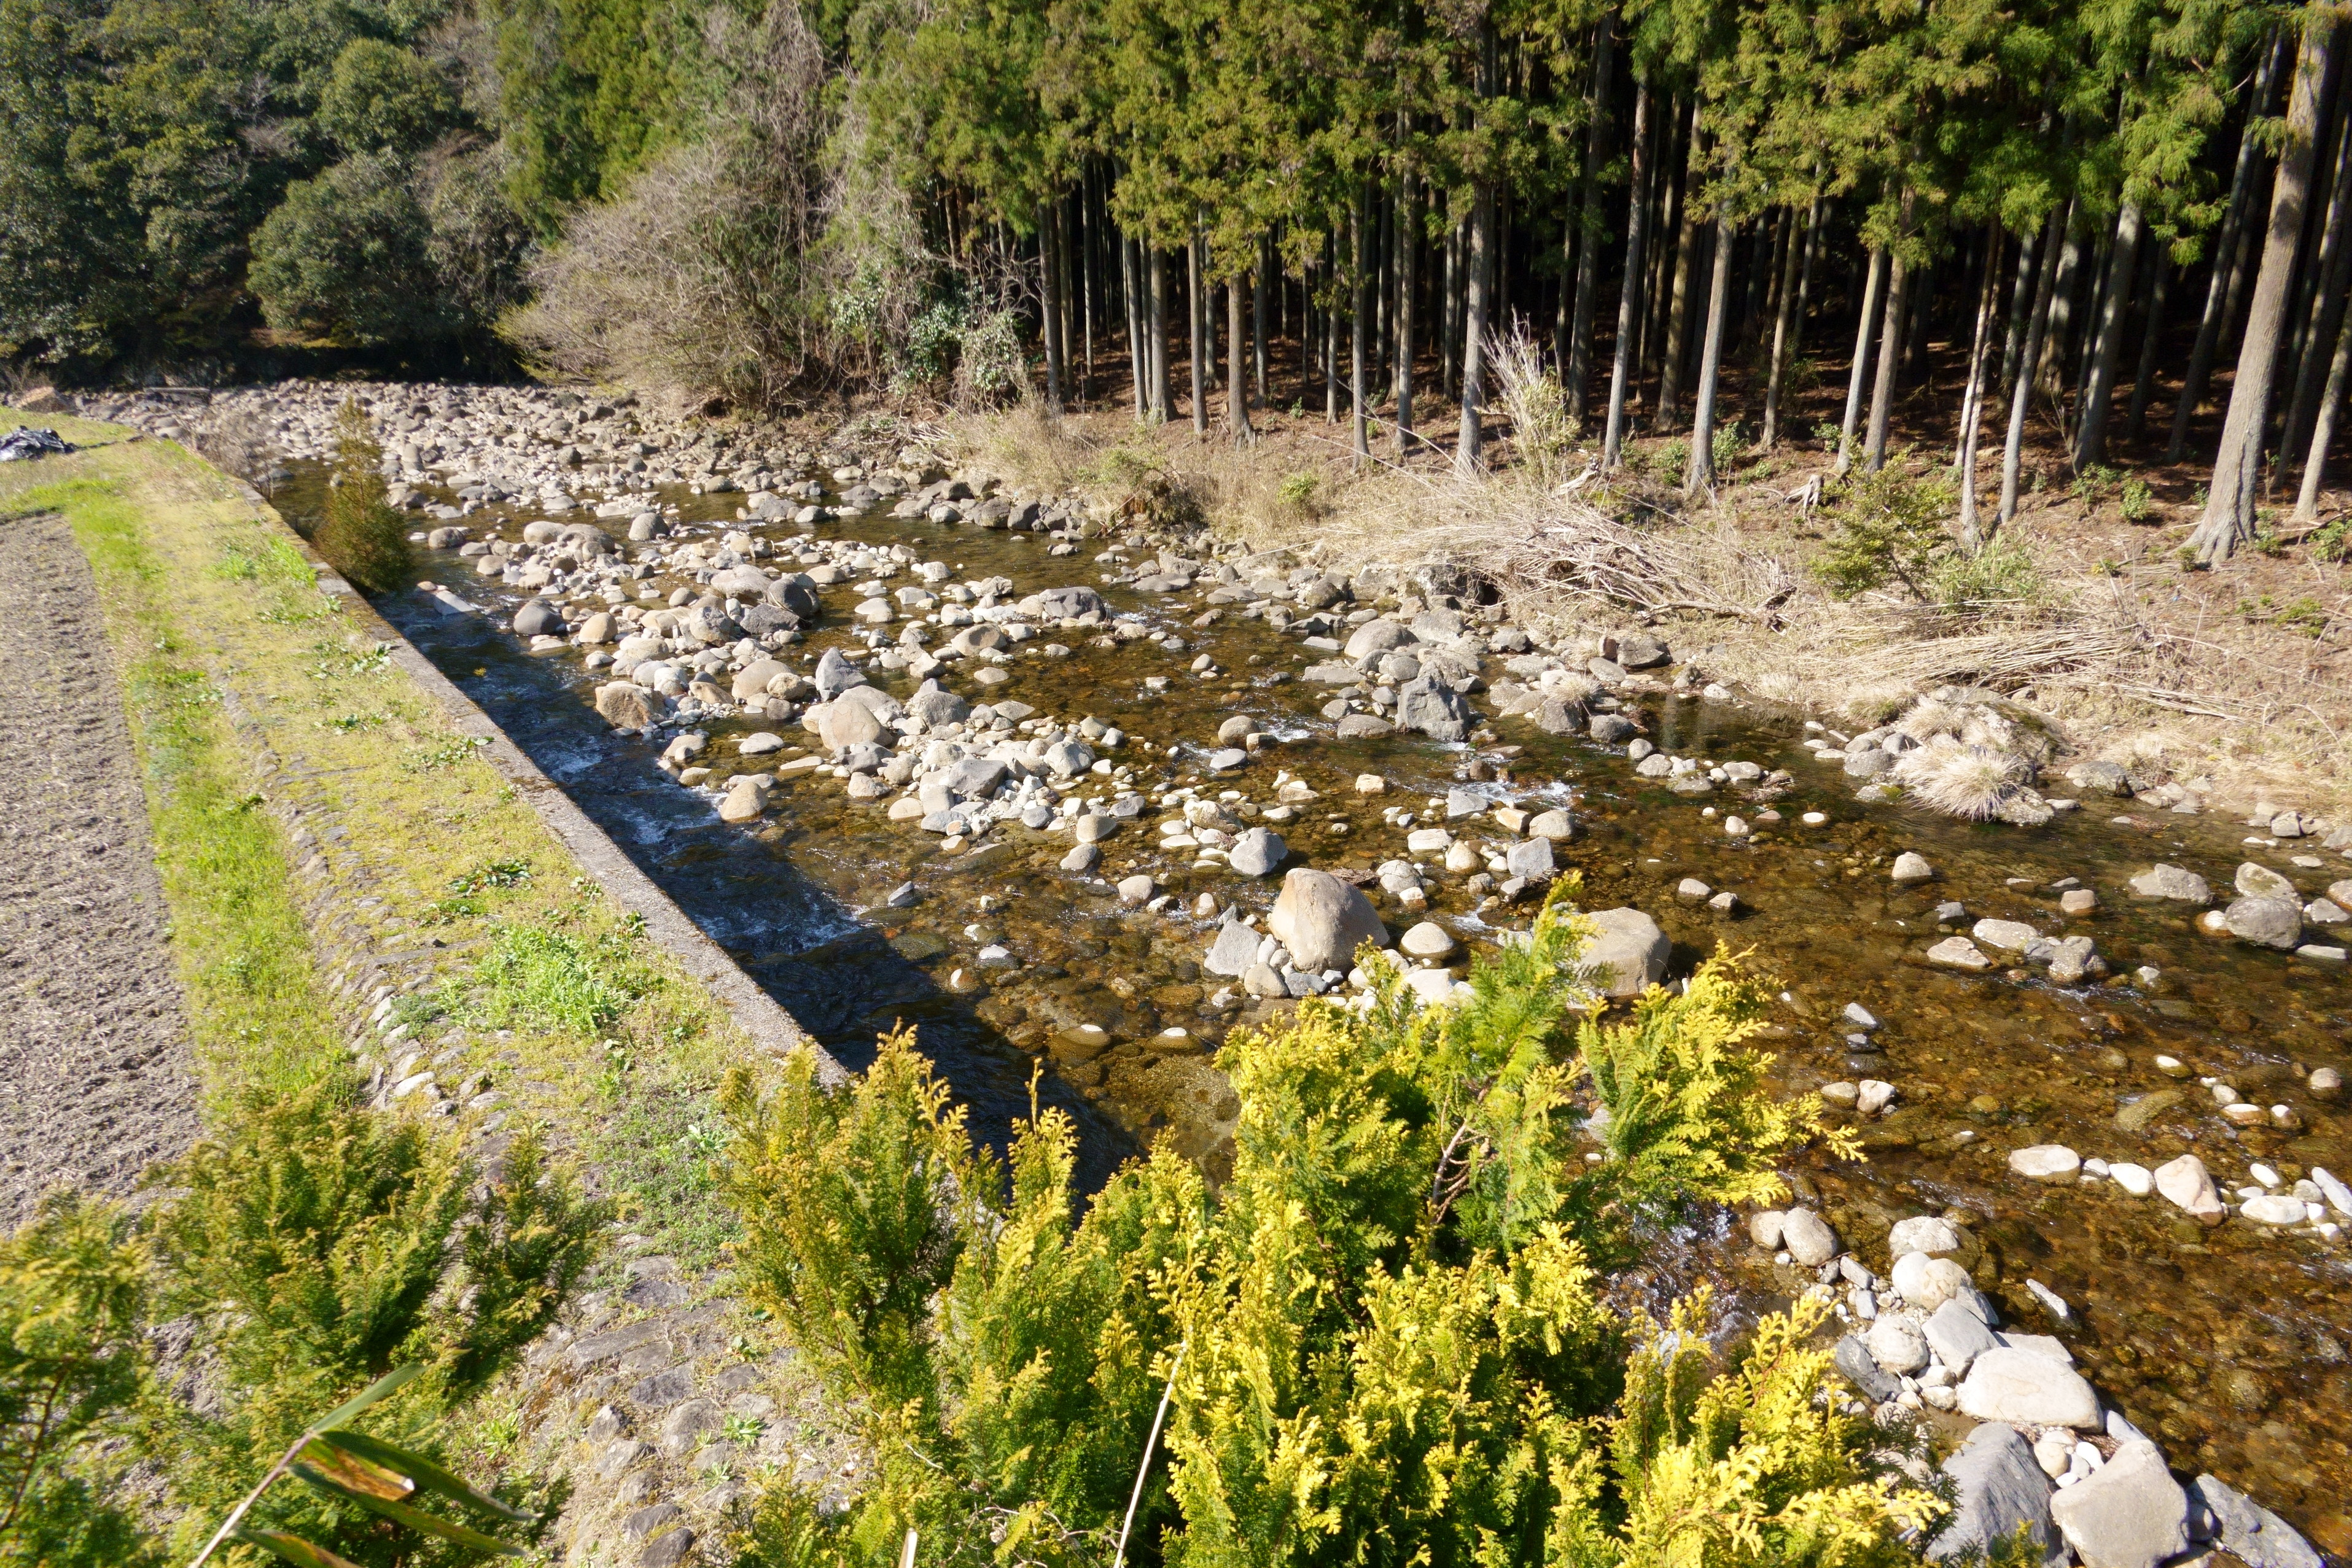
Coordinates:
(1122,787)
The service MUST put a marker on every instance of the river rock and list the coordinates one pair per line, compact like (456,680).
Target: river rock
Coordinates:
(2011,935)
(1233,951)
(1911,868)
(2259,881)
(1323,921)
(2274,1208)
(2129,1513)
(1437,710)
(842,723)
(2189,1187)
(746,798)
(1426,940)
(795,594)
(1531,859)
(1257,851)
(937,707)
(1627,944)
(1363,726)
(1065,603)
(1998,1490)
(1082,858)
(2046,1162)
(1928,1233)
(1376,637)
(1764,1229)
(1958,1336)
(538,618)
(2026,1389)
(1958,953)
(1853,1358)
(1808,1238)
(1556,825)
(835,675)
(2246,1530)
(2265,922)
(1928,1282)
(2173,882)
(1895,1342)
(626,706)
(1608,728)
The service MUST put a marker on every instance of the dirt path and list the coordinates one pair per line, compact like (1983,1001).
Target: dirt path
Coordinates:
(96,1075)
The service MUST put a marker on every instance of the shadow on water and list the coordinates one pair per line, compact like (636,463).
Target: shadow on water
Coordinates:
(836,975)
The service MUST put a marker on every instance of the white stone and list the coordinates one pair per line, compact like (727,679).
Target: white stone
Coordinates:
(2135,1180)
(2046,1162)
(2022,1388)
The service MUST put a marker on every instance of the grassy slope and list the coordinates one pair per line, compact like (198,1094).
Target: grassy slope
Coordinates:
(221,637)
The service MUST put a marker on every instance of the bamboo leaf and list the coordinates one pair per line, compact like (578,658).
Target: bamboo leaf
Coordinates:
(427,1474)
(434,1525)
(391,1383)
(293,1549)
(327,1465)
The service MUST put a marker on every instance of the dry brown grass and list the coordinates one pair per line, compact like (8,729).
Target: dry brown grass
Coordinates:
(2130,658)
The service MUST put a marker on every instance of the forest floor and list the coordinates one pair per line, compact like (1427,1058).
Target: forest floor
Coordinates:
(2231,683)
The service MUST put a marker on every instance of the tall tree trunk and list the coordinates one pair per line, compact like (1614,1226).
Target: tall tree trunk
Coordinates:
(2107,341)
(1784,336)
(1700,479)
(2021,307)
(2021,391)
(1474,326)
(1407,252)
(2334,266)
(1332,336)
(1130,299)
(1668,413)
(1890,363)
(1237,376)
(1195,286)
(2229,255)
(1629,299)
(1865,336)
(2054,337)
(2323,429)
(1576,354)
(1972,400)
(1259,281)
(1163,382)
(1049,259)
(2159,286)
(2230,506)
(1449,326)
(1359,325)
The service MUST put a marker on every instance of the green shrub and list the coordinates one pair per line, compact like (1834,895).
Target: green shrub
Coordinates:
(381,98)
(2138,500)
(1889,526)
(315,1247)
(346,260)
(72,1290)
(1381,1338)
(362,535)
(2001,572)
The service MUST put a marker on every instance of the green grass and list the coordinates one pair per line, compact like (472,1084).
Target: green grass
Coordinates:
(254,1009)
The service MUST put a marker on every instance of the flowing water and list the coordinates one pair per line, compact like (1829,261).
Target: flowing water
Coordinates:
(2233,1346)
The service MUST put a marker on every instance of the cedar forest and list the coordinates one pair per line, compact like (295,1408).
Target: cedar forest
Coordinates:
(2130,213)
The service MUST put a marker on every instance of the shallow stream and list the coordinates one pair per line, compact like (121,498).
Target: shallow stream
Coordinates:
(2234,1345)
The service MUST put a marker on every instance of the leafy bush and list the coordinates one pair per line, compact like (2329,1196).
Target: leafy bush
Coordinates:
(2139,502)
(315,1247)
(2000,572)
(72,1292)
(347,259)
(1889,525)
(361,536)
(381,98)
(1380,1339)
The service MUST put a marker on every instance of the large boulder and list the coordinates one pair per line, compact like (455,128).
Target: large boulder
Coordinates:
(1627,945)
(1998,1491)
(740,582)
(752,680)
(1376,637)
(1065,603)
(2265,922)
(793,594)
(2129,1513)
(2247,1531)
(538,618)
(935,706)
(835,675)
(626,706)
(1323,921)
(1257,851)
(1433,707)
(842,722)
(2028,1389)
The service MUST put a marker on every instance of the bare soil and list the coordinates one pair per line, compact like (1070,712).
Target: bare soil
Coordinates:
(96,1078)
